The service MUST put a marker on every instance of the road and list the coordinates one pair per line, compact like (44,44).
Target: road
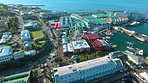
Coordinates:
(21,22)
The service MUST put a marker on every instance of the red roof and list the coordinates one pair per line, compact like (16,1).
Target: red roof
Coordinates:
(92,36)
(97,45)
(57,26)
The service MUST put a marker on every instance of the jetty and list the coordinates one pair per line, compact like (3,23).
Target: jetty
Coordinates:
(138,36)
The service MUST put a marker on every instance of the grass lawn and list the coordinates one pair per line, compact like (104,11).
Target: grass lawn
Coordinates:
(2,8)
(37,34)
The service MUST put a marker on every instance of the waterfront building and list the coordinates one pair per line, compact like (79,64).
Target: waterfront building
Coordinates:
(92,36)
(96,20)
(80,46)
(16,78)
(6,36)
(65,22)
(133,57)
(116,54)
(5,53)
(142,16)
(19,55)
(86,71)
(25,36)
(119,20)
(97,42)
(120,14)
(144,75)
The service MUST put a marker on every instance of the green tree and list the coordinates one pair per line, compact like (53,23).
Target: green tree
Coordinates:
(58,60)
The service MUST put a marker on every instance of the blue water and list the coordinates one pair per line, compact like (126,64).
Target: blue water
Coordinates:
(86,5)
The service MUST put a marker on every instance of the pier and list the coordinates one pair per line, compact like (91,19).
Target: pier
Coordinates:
(138,36)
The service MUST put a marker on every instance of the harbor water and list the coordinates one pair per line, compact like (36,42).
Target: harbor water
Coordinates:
(121,39)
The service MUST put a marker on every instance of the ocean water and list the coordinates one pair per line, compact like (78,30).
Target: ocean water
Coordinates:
(85,5)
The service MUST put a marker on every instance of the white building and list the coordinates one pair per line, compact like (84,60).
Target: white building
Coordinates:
(67,48)
(145,76)
(31,52)
(19,55)
(6,36)
(25,35)
(5,53)
(86,71)
(80,46)
(32,25)
(133,58)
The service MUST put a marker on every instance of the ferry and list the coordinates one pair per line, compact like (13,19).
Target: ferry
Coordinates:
(134,23)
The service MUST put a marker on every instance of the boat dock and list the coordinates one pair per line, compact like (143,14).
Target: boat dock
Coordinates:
(138,36)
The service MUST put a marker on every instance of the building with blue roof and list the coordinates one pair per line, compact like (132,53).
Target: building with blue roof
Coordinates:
(120,14)
(25,35)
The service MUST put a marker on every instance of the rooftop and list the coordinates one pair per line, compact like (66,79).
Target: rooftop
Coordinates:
(83,65)
(5,50)
(25,33)
(144,75)
(17,78)
(92,36)
(80,44)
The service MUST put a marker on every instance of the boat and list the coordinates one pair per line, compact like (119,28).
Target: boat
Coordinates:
(131,49)
(129,43)
(134,23)
(140,52)
(107,37)
(114,46)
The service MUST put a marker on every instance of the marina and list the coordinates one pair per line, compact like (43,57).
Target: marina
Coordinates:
(138,36)
(122,43)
